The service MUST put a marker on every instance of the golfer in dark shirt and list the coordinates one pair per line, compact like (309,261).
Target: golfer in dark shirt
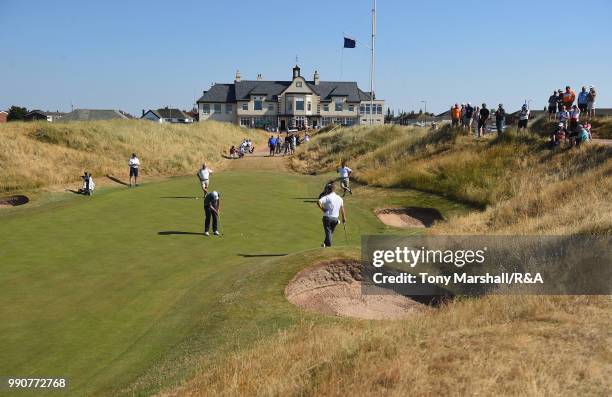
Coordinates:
(212,207)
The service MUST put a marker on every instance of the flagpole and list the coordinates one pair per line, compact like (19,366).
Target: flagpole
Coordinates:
(372,63)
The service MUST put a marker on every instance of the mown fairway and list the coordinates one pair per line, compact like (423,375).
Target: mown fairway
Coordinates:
(122,294)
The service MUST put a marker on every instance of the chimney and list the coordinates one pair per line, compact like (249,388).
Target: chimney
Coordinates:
(143,112)
(316,77)
(237,78)
(259,78)
(296,71)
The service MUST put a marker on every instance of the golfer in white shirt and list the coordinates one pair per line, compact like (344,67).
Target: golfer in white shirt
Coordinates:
(134,164)
(345,172)
(331,205)
(204,177)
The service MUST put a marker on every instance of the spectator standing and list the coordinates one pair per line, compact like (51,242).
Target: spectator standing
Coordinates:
(484,116)
(500,118)
(523,118)
(455,115)
(467,116)
(569,96)
(591,102)
(552,106)
(583,97)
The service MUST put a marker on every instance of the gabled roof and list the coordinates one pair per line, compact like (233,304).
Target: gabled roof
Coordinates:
(167,113)
(242,90)
(93,114)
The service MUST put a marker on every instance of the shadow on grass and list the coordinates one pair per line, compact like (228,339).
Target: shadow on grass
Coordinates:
(260,255)
(119,181)
(179,233)
(180,197)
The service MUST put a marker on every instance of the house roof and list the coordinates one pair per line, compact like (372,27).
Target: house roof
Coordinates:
(167,113)
(45,113)
(242,90)
(93,114)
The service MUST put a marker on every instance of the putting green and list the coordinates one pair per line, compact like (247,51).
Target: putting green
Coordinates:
(122,294)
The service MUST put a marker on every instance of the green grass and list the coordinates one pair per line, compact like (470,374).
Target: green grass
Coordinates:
(89,289)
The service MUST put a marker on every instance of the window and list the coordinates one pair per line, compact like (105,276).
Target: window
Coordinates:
(228,108)
(299,104)
(361,109)
(309,106)
(206,108)
(217,108)
(351,108)
(271,107)
(245,121)
(298,83)
(379,109)
(289,106)
(326,107)
(338,105)
(350,121)
(245,106)
(367,108)
(325,121)
(257,104)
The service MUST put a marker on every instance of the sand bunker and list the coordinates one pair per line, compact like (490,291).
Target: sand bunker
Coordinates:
(408,216)
(13,201)
(335,288)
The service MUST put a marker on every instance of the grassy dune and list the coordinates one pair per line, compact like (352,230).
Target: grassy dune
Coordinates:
(522,186)
(40,154)
(494,345)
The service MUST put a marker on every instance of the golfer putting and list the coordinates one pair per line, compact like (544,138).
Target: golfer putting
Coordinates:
(212,208)
(204,177)
(345,173)
(331,205)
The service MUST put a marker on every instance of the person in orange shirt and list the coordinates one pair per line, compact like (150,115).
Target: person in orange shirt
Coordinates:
(569,96)
(455,115)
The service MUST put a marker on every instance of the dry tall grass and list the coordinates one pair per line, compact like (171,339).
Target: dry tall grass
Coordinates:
(498,345)
(39,154)
(494,345)
(522,186)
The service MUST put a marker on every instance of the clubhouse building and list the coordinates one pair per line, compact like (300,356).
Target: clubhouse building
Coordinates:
(295,103)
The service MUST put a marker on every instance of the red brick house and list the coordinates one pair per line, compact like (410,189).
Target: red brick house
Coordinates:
(3,116)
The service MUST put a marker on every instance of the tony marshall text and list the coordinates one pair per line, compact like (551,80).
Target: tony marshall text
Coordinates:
(458,278)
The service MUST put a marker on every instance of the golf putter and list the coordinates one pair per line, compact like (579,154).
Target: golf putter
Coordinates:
(345,236)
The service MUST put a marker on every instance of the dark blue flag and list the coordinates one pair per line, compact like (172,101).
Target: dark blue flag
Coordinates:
(349,43)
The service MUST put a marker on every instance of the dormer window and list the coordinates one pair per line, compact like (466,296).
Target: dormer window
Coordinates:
(298,83)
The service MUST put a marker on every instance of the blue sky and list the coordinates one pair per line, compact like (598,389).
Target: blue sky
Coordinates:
(132,55)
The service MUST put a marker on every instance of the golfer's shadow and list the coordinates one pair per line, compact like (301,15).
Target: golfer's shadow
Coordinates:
(119,181)
(176,232)
(180,197)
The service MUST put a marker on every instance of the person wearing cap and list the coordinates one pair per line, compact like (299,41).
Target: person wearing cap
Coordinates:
(468,113)
(500,118)
(523,118)
(583,97)
(134,165)
(559,99)
(212,208)
(591,102)
(569,96)
(558,136)
(552,106)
